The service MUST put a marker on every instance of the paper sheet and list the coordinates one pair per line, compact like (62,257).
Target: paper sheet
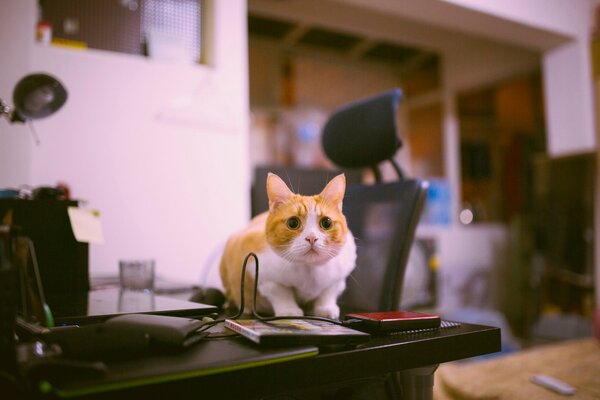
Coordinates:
(86,225)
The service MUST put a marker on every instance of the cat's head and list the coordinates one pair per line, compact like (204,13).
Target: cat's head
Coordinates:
(306,229)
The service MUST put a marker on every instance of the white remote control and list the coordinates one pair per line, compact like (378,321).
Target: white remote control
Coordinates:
(553,384)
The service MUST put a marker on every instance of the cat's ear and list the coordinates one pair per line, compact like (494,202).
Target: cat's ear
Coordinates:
(277,190)
(334,191)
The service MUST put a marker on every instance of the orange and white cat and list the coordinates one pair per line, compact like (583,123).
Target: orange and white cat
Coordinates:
(305,252)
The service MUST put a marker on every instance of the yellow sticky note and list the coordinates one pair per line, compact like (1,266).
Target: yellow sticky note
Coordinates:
(86,225)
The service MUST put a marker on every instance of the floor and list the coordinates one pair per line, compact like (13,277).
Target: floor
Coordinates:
(576,362)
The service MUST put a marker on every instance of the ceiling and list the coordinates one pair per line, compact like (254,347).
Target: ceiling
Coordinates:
(413,34)
(299,36)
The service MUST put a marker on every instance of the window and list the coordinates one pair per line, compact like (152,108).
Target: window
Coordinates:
(156,28)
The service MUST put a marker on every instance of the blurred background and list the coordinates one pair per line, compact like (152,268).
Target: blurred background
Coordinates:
(174,103)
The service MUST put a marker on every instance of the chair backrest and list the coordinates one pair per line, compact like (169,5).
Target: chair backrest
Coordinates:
(364,133)
(383,218)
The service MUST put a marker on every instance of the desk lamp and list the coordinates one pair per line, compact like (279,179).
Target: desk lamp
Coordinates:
(35,96)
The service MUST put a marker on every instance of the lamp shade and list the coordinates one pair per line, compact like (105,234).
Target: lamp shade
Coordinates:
(37,96)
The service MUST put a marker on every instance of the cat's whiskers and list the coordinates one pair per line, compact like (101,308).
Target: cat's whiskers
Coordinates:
(289,255)
(332,254)
(356,281)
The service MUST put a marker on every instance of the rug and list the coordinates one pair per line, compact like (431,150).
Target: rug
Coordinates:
(575,362)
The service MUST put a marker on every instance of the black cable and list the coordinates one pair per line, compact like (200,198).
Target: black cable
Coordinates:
(255,313)
(255,293)
(207,325)
(243,284)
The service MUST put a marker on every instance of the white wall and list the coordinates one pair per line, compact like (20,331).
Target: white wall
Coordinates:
(569,105)
(513,21)
(160,149)
(553,16)
(15,140)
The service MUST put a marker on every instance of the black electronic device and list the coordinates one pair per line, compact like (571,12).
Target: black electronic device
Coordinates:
(162,330)
(104,304)
(97,342)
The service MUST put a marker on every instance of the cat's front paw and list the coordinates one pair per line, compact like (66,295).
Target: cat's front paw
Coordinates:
(331,311)
(289,311)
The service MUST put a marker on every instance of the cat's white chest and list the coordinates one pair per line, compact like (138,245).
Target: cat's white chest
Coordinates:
(307,281)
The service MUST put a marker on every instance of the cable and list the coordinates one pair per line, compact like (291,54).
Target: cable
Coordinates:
(255,313)
(209,324)
(255,293)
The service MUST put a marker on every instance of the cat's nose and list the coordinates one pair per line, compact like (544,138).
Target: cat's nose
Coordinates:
(311,239)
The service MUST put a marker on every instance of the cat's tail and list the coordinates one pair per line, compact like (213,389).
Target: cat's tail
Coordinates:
(210,296)
(209,273)
(211,290)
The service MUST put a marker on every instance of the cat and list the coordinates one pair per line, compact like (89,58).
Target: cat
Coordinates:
(304,248)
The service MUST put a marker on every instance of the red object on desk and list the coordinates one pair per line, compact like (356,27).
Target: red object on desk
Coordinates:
(396,320)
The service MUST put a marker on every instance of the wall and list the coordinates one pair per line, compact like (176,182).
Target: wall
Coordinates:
(15,140)
(159,149)
(567,76)
(558,16)
(319,80)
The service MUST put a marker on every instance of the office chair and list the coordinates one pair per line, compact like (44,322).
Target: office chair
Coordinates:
(382,216)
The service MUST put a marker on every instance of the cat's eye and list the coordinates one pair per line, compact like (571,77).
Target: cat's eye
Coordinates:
(293,223)
(326,223)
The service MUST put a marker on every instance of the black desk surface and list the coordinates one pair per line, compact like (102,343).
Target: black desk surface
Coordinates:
(232,368)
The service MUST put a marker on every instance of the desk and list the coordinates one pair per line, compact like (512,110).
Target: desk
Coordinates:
(415,355)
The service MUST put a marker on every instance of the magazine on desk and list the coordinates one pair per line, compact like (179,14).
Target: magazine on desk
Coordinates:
(295,331)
